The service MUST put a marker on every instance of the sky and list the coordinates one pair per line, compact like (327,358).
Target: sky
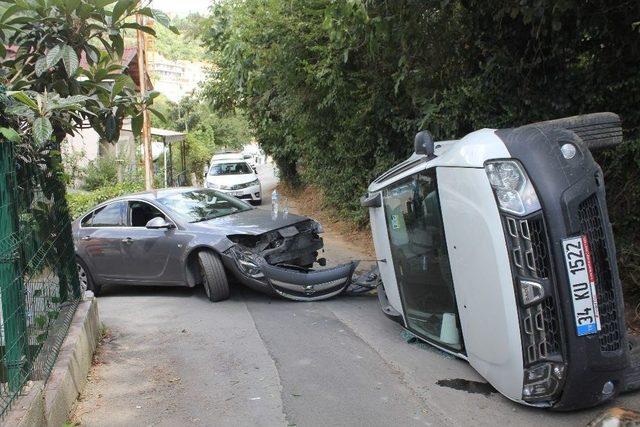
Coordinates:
(182,7)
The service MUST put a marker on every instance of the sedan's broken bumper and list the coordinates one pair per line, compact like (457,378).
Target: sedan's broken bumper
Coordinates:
(308,285)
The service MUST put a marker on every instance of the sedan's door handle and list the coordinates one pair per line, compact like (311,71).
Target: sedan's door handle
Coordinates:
(127,240)
(86,238)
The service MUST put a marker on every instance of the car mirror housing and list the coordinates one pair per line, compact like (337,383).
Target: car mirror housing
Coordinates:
(423,144)
(158,223)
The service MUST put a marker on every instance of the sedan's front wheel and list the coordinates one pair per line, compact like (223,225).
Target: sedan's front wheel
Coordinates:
(214,278)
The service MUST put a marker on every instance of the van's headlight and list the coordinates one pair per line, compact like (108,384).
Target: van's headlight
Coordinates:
(512,187)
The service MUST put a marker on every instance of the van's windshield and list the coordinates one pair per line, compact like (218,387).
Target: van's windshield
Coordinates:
(420,259)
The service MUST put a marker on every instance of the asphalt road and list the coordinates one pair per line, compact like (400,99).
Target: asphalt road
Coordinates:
(173,358)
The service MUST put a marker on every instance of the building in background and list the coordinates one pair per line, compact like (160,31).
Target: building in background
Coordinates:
(175,79)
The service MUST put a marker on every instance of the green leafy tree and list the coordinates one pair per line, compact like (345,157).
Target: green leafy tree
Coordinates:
(186,45)
(48,89)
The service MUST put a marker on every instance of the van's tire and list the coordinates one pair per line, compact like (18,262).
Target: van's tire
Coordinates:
(86,279)
(214,278)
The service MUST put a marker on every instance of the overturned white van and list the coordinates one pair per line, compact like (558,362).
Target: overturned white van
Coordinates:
(497,248)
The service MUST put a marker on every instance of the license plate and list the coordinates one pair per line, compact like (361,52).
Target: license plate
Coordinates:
(236,193)
(577,256)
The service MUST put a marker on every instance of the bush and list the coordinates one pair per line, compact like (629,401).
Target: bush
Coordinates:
(101,172)
(81,201)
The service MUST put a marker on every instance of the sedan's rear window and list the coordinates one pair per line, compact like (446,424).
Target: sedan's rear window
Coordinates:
(202,205)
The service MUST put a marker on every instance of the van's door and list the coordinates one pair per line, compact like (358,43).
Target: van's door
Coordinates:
(420,259)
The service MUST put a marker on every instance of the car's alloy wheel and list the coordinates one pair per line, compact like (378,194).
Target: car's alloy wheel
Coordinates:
(84,280)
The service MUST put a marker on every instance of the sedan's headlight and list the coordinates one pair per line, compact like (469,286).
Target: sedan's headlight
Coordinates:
(247,262)
(211,185)
(512,187)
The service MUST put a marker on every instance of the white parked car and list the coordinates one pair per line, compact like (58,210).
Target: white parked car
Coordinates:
(236,178)
(230,155)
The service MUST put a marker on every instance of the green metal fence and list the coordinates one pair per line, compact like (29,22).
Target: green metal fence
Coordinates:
(39,287)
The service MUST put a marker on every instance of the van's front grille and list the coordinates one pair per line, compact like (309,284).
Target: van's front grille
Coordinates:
(591,226)
(530,258)
(541,338)
(529,249)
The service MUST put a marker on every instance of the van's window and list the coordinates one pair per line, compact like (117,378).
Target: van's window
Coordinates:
(111,215)
(232,168)
(420,259)
(140,213)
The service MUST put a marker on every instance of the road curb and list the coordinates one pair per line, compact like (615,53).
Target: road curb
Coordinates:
(48,404)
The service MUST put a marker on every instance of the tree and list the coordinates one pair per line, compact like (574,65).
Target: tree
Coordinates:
(47,88)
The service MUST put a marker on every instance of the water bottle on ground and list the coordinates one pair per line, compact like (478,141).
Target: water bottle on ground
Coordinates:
(275,199)
(285,208)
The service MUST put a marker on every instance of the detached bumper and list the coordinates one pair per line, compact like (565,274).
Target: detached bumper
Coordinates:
(295,283)
(308,285)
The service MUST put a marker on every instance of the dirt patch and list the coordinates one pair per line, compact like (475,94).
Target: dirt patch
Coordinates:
(107,346)
(310,201)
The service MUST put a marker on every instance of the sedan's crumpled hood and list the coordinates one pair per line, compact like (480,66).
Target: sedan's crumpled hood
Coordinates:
(252,222)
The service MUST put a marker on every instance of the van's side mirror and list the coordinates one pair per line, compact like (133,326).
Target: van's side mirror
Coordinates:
(158,223)
(423,143)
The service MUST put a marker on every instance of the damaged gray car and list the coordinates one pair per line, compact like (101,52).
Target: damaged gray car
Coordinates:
(192,236)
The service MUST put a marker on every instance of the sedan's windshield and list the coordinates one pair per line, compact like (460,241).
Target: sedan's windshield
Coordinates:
(202,205)
(232,168)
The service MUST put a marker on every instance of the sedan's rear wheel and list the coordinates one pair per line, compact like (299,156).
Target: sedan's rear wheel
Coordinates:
(214,278)
(86,280)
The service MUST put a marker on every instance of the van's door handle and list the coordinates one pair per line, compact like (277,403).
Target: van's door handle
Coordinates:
(127,241)
(86,238)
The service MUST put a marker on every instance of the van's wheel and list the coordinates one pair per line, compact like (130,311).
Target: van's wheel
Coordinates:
(214,278)
(85,279)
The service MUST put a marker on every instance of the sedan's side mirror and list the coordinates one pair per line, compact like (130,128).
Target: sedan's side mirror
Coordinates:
(255,170)
(158,223)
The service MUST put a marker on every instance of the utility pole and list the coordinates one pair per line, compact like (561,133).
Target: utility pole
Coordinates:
(146,124)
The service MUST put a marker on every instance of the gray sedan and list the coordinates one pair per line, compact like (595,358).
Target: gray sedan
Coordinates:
(192,236)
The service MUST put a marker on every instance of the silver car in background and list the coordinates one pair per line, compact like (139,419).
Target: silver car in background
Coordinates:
(192,236)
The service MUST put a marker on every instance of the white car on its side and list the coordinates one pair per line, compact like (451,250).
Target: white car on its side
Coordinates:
(236,178)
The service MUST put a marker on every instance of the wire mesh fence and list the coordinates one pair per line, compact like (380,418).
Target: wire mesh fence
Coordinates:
(39,286)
